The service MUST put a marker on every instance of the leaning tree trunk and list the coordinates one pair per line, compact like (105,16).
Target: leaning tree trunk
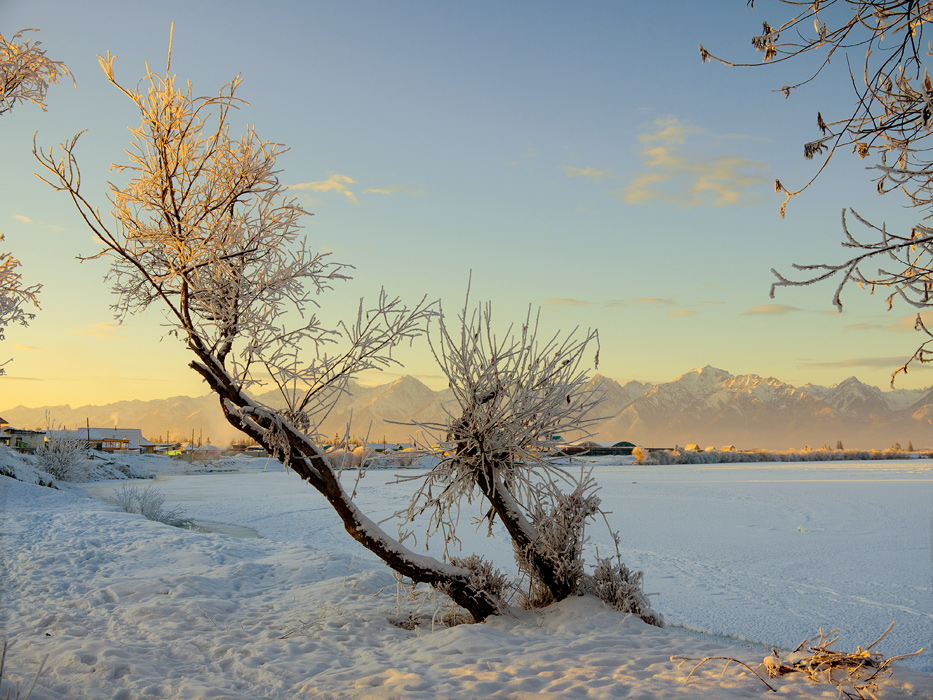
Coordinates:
(524,535)
(485,469)
(305,458)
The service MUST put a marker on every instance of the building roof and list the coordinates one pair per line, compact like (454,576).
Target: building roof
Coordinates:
(133,436)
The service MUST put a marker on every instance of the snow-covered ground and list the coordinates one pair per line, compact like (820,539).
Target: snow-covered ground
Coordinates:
(123,607)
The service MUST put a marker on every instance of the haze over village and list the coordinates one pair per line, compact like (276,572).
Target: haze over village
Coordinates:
(706,406)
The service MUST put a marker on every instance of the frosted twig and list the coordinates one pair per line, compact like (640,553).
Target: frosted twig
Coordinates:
(727,659)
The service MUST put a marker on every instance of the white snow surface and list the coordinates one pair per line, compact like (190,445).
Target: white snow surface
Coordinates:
(125,608)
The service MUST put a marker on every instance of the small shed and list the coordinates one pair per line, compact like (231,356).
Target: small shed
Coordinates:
(25,440)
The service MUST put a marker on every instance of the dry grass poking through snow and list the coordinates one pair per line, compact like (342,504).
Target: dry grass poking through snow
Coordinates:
(856,675)
(149,502)
(14,693)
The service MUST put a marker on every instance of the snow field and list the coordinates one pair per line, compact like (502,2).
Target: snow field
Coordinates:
(767,553)
(128,608)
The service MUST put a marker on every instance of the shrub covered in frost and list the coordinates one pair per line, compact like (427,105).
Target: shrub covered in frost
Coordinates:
(622,589)
(63,456)
(823,454)
(484,576)
(362,456)
(560,520)
(358,457)
(340,458)
(149,502)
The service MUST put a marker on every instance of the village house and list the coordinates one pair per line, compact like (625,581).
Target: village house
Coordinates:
(109,439)
(24,440)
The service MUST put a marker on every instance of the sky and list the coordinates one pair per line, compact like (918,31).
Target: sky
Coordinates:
(577,157)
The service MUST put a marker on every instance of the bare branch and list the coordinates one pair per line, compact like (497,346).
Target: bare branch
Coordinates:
(890,124)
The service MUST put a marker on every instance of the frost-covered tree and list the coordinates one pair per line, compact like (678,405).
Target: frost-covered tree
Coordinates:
(63,454)
(26,71)
(25,75)
(512,391)
(511,394)
(203,228)
(889,123)
(15,296)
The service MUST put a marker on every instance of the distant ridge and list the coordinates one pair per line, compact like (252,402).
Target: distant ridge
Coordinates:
(706,406)
(709,406)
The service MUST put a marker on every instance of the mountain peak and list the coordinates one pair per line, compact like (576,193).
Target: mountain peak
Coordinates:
(703,378)
(408,380)
(709,370)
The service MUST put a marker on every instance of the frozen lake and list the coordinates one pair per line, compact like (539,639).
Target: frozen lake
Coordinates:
(765,553)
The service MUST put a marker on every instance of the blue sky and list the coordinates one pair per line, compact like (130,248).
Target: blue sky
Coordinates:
(573,156)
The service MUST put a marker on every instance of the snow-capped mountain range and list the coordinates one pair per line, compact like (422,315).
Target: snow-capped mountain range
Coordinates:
(706,406)
(709,406)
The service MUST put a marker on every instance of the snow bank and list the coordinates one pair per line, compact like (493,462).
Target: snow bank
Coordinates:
(127,608)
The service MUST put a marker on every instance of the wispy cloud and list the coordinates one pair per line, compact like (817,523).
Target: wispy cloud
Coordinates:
(559,301)
(29,348)
(672,174)
(589,173)
(395,189)
(659,303)
(647,301)
(99,330)
(670,305)
(335,182)
(904,324)
(873,362)
(35,222)
(771,310)
(529,153)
